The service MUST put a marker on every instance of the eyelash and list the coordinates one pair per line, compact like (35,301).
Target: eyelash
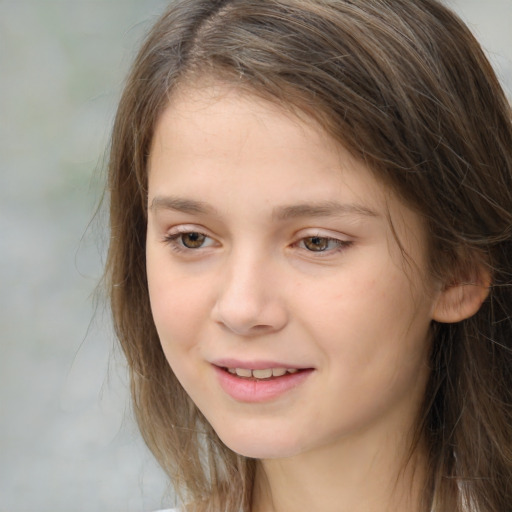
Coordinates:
(340,244)
(175,241)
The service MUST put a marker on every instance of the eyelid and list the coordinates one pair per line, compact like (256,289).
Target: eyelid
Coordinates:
(342,241)
(323,233)
(187,228)
(172,235)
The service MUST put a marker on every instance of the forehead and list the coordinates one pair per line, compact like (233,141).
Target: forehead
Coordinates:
(221,123)
(217,108)
(238,153)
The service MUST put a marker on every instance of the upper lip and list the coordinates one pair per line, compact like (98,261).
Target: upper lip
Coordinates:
(255,364)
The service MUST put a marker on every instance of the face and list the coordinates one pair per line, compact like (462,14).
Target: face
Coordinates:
(283,302)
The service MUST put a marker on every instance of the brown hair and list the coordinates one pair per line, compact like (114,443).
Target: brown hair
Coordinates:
(404,86)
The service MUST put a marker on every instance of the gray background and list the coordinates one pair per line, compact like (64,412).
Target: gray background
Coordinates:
(67,439)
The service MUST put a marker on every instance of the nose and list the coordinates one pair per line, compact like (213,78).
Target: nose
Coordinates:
(250,301)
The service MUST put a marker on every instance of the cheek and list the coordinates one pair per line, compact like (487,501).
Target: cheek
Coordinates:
(177,303)
(370,321)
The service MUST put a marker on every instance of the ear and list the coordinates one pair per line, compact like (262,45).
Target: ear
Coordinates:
(460,300)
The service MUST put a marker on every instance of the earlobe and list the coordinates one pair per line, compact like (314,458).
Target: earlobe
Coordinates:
(459,301)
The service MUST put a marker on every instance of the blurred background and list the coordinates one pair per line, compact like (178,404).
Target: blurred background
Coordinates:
(68,442)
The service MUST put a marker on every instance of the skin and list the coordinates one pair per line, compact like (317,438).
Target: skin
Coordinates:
(253,286)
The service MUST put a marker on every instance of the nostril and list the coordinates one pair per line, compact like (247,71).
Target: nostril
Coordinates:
(246,306)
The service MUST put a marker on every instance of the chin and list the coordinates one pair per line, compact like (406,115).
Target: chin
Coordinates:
(262,451)
(260,445)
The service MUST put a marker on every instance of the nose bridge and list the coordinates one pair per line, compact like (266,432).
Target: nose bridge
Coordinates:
(249,301)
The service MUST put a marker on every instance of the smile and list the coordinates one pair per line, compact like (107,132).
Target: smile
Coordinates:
(262,374)
(260,384)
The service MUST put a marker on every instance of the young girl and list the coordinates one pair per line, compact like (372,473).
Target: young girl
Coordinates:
(311,257)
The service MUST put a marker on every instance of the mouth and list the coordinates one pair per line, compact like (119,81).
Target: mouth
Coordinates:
(261,374)
(259,381)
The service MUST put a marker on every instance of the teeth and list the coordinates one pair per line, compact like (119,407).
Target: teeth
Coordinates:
(267,373)
(262,374)
(243,372)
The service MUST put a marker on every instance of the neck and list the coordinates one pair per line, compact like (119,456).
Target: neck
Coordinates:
(358,475)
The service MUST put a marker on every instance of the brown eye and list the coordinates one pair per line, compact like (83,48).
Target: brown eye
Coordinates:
(317,243)
(192,240)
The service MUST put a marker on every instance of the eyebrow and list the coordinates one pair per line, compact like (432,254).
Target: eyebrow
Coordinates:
(322,209)
(281,213)
(181,204)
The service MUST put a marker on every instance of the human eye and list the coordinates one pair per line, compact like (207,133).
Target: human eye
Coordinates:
(322,244)
(183,240)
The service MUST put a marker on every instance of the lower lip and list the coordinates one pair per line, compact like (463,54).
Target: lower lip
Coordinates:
(263,390)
